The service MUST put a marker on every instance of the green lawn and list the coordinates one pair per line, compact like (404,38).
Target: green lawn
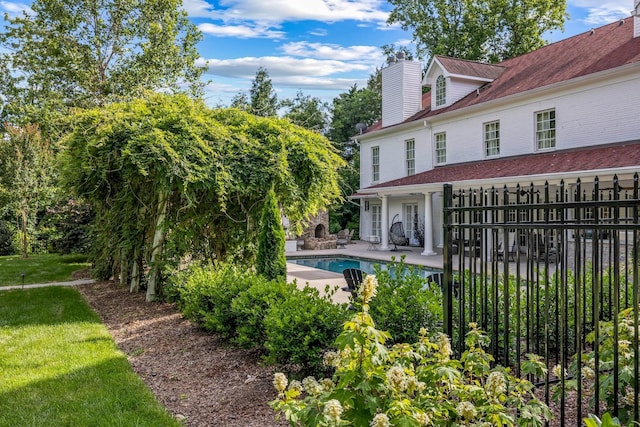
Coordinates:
(39,268)
(60,367)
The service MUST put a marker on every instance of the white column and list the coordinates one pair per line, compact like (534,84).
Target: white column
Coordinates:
(384,239)
(428,225)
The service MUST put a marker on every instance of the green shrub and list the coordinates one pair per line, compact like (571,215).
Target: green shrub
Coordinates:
(302,328)
(251,306)
(409,385)
(405,303)
(206,293)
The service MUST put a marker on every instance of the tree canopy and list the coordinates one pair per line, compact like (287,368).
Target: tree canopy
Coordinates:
(85,53)
(168,176)
(307,111)
(487,30)
(26,176)
(263,99)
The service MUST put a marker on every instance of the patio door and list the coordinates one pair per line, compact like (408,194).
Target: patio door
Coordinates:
(376,220)
(411,223)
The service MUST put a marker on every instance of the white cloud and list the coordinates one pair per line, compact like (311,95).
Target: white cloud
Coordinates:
(292,72)
(319,32)
(333,51)
(240,31)
(598,12)
(278,11)
(15,8)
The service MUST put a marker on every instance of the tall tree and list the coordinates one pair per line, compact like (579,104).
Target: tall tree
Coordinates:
(26,175)
(489,30)
(264,101)
(240,101)
(306,111)
(350,109)
(271,262)
(85,53)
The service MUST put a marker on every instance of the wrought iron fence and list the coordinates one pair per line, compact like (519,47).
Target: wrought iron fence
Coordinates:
(538,267)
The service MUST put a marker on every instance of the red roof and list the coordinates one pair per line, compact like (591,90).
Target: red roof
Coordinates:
(575,160)
(601,49)
(598,50)
(470,68)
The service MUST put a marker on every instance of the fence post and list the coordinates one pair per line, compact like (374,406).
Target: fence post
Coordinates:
(447,300)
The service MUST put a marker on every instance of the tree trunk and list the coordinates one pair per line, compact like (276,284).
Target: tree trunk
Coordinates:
(23,211)
(156,248)
(135,273)
(124,267)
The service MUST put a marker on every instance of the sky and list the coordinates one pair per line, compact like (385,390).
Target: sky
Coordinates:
(319,47)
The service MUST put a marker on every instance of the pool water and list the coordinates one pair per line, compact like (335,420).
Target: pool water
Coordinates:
(337,265)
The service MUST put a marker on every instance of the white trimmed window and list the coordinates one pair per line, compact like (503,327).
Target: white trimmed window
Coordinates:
(441,147)
(492,139)
(410,150)
(546,129)
(441,90)
(376,220)
(375,164)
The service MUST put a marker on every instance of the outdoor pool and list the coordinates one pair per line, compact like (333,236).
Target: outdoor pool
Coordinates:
(338,264)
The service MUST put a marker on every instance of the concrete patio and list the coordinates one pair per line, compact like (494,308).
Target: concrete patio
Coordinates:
(320,278)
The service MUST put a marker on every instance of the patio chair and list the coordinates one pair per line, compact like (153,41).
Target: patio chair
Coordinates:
(513,251)
(350,236)
(396,234)
(343,236)
(354,278)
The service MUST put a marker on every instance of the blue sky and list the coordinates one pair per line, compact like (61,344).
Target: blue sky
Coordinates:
(321,47)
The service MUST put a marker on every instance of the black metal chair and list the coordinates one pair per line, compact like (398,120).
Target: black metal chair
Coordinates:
(354,278)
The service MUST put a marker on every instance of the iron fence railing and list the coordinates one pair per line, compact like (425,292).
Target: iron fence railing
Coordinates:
(538,267)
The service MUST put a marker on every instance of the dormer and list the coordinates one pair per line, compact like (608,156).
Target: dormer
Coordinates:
(636,18)
(452,79)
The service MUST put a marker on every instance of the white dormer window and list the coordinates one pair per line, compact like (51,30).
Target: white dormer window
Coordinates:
(441,90)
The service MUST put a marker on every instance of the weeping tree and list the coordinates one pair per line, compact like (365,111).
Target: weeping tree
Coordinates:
(271,262)
(169,177)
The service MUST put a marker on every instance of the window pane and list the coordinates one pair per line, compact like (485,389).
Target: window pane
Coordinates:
(441,90)
(375,163)
(441,147)
(492,138)
(546,129)
(410,148)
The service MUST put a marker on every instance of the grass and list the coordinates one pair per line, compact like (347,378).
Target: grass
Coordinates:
(43,268)
(60,367)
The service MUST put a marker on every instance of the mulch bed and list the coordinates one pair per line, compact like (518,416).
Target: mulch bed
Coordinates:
(196,376)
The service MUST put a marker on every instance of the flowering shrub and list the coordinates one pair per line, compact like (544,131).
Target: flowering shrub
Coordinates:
(409,384)
(606,355)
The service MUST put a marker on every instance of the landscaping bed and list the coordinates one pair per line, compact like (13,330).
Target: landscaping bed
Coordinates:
(195,375)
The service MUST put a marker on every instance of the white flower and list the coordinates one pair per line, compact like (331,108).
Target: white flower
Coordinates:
(396,378)
(380,420)
(312,386)
(559,372)
(466,410)
(496,384)
(368,288)
(333,410)
(280,382)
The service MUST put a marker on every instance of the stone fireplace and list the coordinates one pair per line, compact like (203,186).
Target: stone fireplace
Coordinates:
(316,235)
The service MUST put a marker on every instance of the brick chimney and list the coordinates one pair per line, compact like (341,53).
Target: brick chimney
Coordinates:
(401,89)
